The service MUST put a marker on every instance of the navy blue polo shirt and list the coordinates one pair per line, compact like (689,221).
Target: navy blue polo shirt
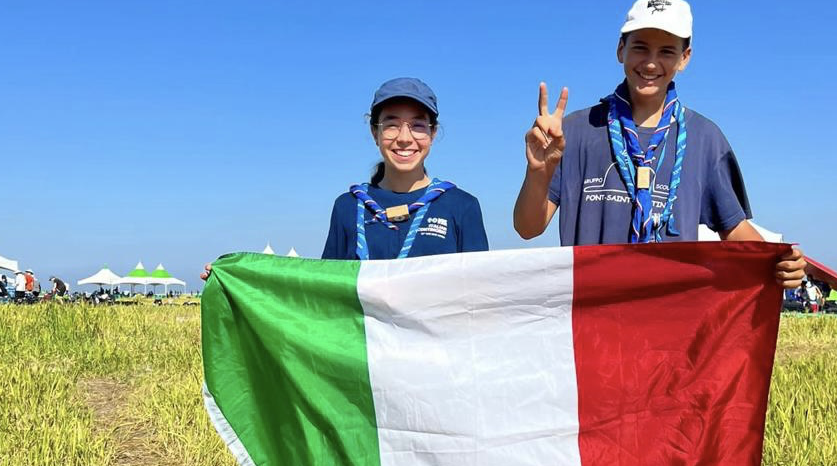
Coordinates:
(594,205)
(453,223)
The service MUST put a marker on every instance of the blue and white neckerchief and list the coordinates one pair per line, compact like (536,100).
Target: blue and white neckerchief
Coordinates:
(364,202)
(646,227)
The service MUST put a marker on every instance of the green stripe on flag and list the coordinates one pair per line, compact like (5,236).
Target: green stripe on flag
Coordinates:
(284,352)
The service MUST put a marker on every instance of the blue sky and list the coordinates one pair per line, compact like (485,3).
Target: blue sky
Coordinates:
(176,131)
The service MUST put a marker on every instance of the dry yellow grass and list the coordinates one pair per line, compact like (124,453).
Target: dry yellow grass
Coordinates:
(120,385)
(110,385)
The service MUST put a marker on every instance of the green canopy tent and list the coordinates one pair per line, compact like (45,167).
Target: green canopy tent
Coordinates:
(161,276)
(138,276)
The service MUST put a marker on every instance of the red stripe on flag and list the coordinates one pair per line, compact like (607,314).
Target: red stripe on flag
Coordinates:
(674,348)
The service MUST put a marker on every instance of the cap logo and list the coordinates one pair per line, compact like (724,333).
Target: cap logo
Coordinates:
(658,5)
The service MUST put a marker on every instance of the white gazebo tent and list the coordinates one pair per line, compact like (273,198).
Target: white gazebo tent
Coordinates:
(292,253)
(138,276)
(705,234)
(102,277)
(8,264)
(161,276)
(268,250)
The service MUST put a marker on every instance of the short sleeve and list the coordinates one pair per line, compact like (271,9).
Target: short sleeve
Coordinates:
(724,204)
(555,186)
(472,235)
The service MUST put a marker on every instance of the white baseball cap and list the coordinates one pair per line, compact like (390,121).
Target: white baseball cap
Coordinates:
(674,16)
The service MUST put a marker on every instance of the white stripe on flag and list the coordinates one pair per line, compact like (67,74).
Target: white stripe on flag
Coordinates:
(225,430)
(473,368)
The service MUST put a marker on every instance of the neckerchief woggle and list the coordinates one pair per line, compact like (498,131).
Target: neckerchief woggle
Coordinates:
(364,202)
(645,226)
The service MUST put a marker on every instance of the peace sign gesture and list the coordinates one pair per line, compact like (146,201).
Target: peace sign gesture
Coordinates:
(545,141)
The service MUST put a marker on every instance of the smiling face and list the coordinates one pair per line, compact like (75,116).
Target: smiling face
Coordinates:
(651,58)
(403,153)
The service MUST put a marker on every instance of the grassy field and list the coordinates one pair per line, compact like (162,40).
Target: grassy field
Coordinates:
(120,385)
(802,416)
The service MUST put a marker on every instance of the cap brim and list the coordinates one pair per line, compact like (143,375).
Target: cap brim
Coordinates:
(683,33)
(429,105)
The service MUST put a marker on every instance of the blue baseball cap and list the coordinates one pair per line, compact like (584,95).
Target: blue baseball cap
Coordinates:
(406,87)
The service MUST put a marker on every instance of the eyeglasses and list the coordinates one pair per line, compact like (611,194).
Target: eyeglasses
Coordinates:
(419,129)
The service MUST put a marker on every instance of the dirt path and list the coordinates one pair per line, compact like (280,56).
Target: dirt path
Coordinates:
(109,402)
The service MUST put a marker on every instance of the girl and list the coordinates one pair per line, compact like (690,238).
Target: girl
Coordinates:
(401,212)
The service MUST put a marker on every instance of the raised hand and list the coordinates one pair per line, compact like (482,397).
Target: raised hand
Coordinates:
(545,141)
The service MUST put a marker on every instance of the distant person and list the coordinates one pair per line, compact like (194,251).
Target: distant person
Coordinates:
(30,280)
(812,296)
(801,295)
(824,287)
(624,170)
(4,285)
(821,294)
(59,288)
(36,286)
(20,286)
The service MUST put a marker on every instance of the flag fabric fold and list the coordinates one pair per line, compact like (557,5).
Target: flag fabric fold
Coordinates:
(619,354)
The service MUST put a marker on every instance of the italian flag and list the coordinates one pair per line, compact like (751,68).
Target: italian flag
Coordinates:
(592,355)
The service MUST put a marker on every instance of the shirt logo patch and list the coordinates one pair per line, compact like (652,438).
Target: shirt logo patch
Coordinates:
(436,227)
(611,188)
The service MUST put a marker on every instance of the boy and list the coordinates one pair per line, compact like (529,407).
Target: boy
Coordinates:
(639,166)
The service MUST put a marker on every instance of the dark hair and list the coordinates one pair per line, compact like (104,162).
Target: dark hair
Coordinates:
(378,174)
(375,115)
(686,42)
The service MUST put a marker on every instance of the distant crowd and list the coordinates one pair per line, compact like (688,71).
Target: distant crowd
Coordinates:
(25,288)
(813,296)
